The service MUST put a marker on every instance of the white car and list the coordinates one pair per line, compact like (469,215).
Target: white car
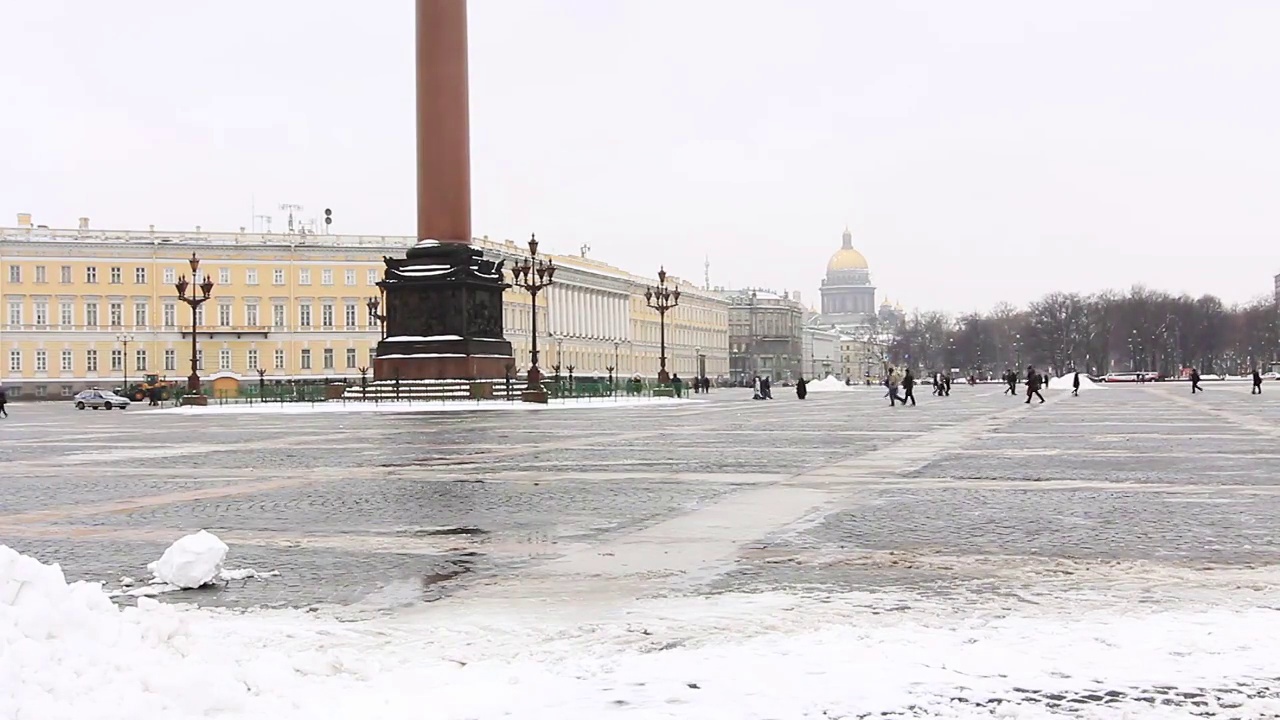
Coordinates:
(104,399)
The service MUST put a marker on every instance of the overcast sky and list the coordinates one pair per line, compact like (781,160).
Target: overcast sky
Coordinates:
(979,151)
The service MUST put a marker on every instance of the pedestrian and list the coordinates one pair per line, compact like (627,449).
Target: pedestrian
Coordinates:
(766,388)
(946,384)
(1033,384)
(802,388)
(891,382)
(908,388)
(1075,384)
(1195,381)
(1257,383)
(1011,378)
(4,398)
(676,382)
(755,385)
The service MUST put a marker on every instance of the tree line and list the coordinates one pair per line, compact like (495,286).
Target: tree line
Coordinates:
(1138,330)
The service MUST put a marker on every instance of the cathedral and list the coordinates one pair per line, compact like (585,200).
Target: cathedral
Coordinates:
(848,297)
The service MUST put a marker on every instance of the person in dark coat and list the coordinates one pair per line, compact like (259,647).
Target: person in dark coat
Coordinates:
(4,399)
(908,388)
(1257,383)
(946,384)
(802,388)
(1195,381)
(766,388)
(1033,384)
(1075,384)
(1011,378)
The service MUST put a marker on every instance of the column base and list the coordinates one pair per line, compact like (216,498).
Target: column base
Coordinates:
(459,367)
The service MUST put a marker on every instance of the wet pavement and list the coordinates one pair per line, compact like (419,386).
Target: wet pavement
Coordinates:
(383,510)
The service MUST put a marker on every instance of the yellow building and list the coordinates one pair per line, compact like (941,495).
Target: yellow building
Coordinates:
(86,307)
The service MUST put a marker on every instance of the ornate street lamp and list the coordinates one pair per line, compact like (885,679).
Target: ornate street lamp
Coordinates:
(374,304)
(125,339)
(662,299)
(195,301)
(533,274)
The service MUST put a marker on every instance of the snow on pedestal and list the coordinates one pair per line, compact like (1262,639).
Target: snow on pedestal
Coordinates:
(192,561)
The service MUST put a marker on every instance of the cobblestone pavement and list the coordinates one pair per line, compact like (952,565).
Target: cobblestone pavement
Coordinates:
(975,493)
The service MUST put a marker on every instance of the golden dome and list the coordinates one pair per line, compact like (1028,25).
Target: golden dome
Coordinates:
(847,259)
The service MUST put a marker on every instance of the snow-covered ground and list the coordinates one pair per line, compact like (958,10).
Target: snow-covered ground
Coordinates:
(417,406)
(67,652)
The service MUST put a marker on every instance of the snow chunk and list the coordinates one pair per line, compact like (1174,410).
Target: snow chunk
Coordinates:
(192,561)
(830,383)
(1066,382)
(245,574)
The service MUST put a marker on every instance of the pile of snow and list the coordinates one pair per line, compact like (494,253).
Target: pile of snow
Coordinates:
(830,384)
(1066,382)
(192,561)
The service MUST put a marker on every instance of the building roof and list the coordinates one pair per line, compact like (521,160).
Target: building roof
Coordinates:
(846,258)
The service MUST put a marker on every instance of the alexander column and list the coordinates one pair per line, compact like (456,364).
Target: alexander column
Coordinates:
(443,300)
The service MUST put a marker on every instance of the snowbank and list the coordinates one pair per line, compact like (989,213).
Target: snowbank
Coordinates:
(1066,382)
(830,384)
(192,561)
(67,653)
(417,406)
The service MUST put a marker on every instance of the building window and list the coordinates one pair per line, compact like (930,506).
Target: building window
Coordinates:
(350,277)
(224,314)
(224,276)
(304,276)
(117,360)
(91,314)
(251,276)
(351,358)
(116,311)
(68,361)
(140,276)
(42,313)
(306,359)
(15,273)
(40,276)
(91,274)
(42,361)
(140,360)
(326,315)
(199,316)
(170,276)
(373,353)
(328,358)
(224,359)
(170,359)
(251,315)
(279,359)
(140,314)
(42,390)
(170,314)
(15,361)
(304,315)
(66,314)
(326,277)
(373,276)
(66,275)
(253,359)
(277,315)
(351,317)
(116,275)
(277,277)
(65,390)
(15,313)
(91,361)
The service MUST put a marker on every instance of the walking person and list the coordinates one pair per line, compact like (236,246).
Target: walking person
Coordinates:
(4,398)
(755,386)
(891,382)
(1075,384)
(766,388)
(1257,383)
(1195,381)
(1033,384)
(802,388)
(1011,377)
(908,388)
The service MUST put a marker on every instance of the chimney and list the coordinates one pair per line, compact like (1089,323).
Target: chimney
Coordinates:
(84,223)
(241,229)
(151,228)
(24,220)
(197,228)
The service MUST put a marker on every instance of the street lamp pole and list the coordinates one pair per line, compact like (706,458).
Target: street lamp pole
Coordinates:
(662,299)
(125,339)
(534,274)
(195,301)
(373,304)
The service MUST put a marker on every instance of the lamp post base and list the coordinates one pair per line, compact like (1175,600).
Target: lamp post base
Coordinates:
(664,377)
(193,383)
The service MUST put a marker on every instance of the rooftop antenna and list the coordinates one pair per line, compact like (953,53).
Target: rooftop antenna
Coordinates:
(291,208)
(265,220)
